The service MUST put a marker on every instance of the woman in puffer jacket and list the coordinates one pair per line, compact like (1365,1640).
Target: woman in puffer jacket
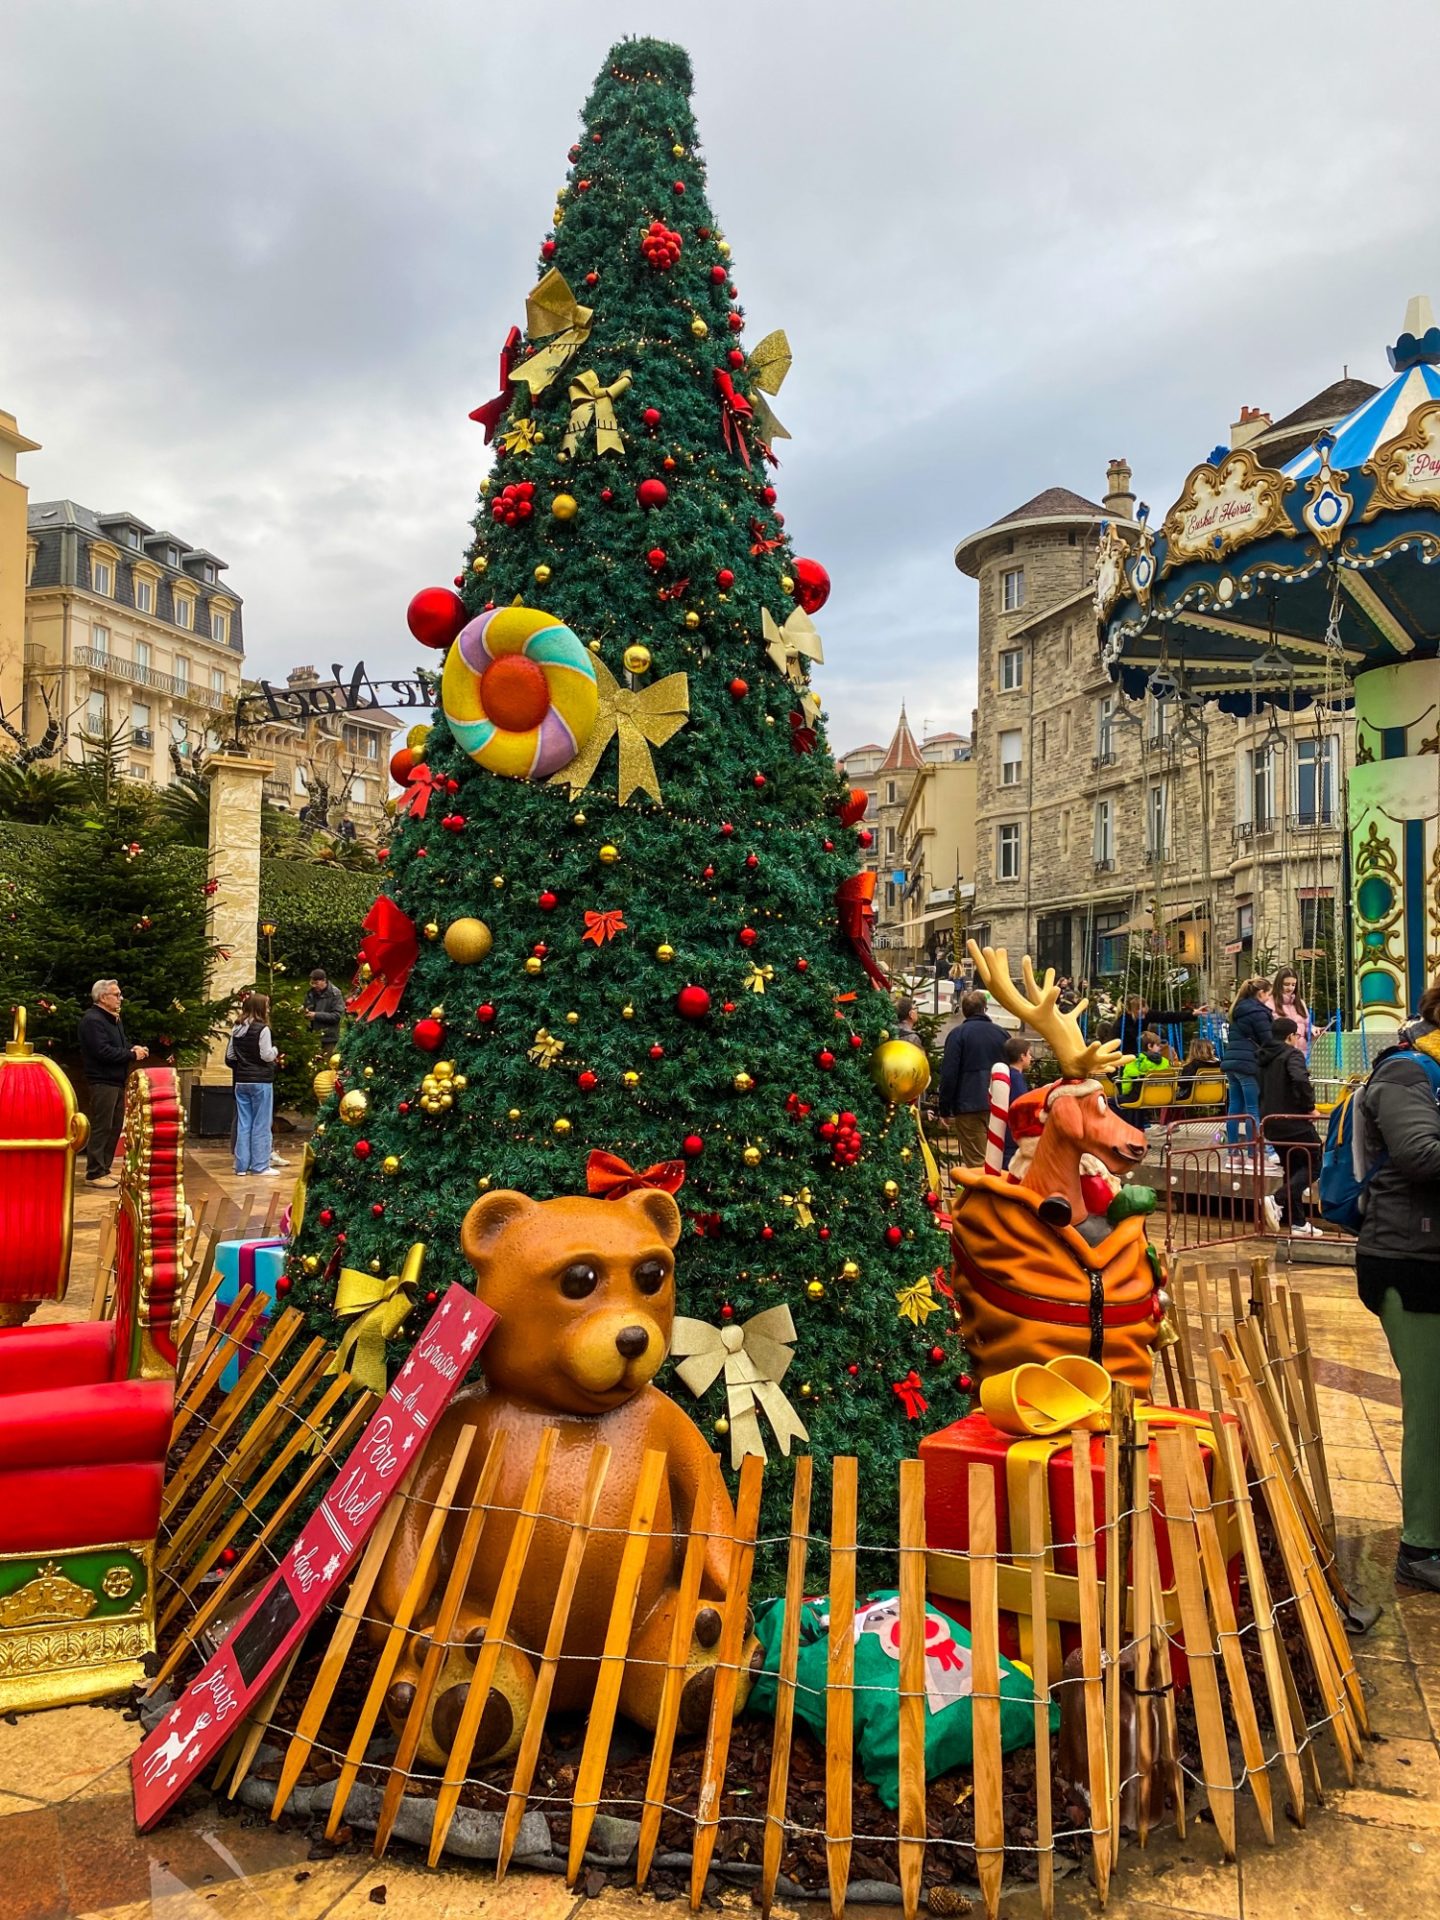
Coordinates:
(1251,1018)
(1397,1267)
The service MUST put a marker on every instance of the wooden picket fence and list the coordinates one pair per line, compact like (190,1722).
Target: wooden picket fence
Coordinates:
(1243,1352)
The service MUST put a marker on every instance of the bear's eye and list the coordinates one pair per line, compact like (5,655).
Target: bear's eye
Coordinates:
(651,1275)
(577,1281)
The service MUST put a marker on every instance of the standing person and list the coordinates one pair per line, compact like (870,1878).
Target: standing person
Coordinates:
(1285,996)
(1249,1030)
(905,1022)
(1397,1267)
(971,1049)
(107,1057)
(1007,1083)
(252,1056)
(324,1008)
(1287,1111)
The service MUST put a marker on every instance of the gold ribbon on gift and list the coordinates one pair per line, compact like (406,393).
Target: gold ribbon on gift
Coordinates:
(754,1359)
(770,361)
(759,977)
(642,717)
(801,1203)
(1037,1400)
(594,405)
(377,1309)
(552,313)
(917,1303)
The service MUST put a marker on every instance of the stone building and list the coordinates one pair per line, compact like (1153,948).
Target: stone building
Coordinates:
(937,844)
(333,767)
(130,633)
(13,566)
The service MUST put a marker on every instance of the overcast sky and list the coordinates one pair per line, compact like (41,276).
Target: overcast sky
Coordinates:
(256,261)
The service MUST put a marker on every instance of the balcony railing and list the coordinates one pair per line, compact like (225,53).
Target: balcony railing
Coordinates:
(1104,864)
(1105,758)
(114,668)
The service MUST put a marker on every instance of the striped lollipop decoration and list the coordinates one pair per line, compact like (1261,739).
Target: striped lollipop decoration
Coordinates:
(519,692)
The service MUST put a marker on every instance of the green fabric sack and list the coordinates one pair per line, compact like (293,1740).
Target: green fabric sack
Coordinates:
(948,1676)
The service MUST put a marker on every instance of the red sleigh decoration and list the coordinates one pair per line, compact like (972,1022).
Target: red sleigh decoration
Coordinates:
(42,1133)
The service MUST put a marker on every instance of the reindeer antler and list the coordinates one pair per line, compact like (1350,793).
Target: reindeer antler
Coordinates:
(1037,1007)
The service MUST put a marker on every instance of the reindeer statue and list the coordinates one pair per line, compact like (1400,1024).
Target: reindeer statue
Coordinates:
(1053,1258)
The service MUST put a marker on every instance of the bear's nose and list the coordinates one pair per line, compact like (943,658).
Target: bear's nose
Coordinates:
(632,1341)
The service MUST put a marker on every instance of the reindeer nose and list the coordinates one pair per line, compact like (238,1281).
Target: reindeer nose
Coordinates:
(632,1341)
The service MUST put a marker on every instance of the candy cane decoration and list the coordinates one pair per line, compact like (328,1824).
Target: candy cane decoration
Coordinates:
(999,1118)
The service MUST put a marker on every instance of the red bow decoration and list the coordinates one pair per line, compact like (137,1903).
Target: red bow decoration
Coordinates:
(802,738)
(855,899)
(601,927)
(709,1226)
(910,1395)
(609,1177)
(389,950)
(737,416)
(675,592)
(758,541)
(419,786)
(489,414)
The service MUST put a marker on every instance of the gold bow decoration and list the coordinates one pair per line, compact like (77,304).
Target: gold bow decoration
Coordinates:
(552,313)
(758,977)
(520,438)
(770,361)
(917,1303)
(643,717)
(377,1309)
(789,647)
(546,1050)
(801,1203)
(592,404)
(754,1359)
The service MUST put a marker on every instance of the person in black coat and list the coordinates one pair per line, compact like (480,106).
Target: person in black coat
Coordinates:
(106,1056)
(1287,1100)
(971,1050)
(1251,1019)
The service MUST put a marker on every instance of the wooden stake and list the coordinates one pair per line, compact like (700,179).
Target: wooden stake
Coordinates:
(784,1684)
(1142,1627)
(1185,1351)
(840,1684)
(257,1371)
(257,1724)
(213,1362)
(911,1755)
(668,1720)
(1305,1362)
(1036,1507)
(1101,1839)
(985,1699)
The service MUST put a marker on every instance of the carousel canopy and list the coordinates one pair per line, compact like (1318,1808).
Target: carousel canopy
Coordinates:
(1281,584)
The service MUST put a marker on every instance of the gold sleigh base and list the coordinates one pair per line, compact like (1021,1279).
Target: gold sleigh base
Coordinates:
(52,1656)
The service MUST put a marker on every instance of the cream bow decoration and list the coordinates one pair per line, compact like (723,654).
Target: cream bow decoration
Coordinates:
(789,647)
(755,1358)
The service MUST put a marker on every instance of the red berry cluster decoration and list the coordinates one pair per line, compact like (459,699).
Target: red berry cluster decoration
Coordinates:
(453,822)
(796,1107)
(660,245)
(844,1137)
(514,503)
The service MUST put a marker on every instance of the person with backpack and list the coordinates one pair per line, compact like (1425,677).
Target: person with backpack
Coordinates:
(1397,1265)
(1247,1033)
(1287,1110)
(252,1057)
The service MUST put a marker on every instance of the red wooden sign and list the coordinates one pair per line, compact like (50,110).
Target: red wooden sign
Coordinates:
(213,1705)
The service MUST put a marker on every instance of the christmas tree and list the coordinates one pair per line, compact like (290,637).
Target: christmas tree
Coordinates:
(622,910)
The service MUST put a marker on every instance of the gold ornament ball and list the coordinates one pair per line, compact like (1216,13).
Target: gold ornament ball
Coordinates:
(743,1083)
(609,855)
(375,1264)
(787,583)
(572,1019)
(627,1013)
(542,575)
(417,736)
(815,1290)
(907,1154)
(310,1263)
(807,1392)
(534,964)
(636,658)
(722,1426)
(479,564)
(513,1114)
(564,506)
(722,247)
(850,1270)
(432,929)
(320,1128)
(900,1070)
(460,1081)
(692,619)
(390,1164)
(333,1061)
(437,1013)
(353,1107)
(677,152)
(752,1156)
(562,1125)
(699,328)
(369,1072)
(445,1102)
(323,1085)
(482,1185)
(665,952)
(498,881)
(468,941)
(577,820)
(630,1079)
(892,1189)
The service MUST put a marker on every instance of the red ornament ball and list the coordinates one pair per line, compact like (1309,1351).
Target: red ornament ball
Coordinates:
(866,837)
(592,279)
(893,1236)
(657,1052)
(739,688)
(228,1556)
(729,1007)
(852,1369)
(548,901)
(692,1146)
(692,1003)
(932,1200)
(825,1059)
(847,1119)
(436,615)
(679,186)
(283,1283)
(382,853)
(748,936)
(669,463)
(965,1383)
(802,965)
(587,1081)
(607,494)
(752,861)
(736,322)
(737,360)
(812,584)
(822,1233)
(708,874)
(857,1039)
(362,1149)
(725,579)
(655,558)
(727,1312)
(403,1107)
(717,274)
(652,493)
(427,1035)
(828,845)
(327,1217)
(937,1354)
(767,1233)
(757,780)
(768,495)
(547,250)
(651,417)
(582,186)
(378,1210)
(401,764)
(459,580)
(431,1298)
(485,1013)
(726,829)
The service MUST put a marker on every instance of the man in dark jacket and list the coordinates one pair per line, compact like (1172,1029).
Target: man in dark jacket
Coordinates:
(107,1057)
(1287,1102)
(971,1050)
(324,1008)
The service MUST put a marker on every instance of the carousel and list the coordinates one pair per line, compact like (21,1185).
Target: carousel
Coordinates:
(1316,584)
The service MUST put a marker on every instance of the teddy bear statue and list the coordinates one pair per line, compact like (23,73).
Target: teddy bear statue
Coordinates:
(585,1293)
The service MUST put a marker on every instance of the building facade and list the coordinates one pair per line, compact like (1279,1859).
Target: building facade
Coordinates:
(129,634)
(13,565)
(332,768)
(937,841)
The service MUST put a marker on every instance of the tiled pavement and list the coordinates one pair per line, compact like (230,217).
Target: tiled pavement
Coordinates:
(68,1847)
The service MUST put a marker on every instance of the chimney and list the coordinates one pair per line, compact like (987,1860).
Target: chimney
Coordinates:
(1119,496)
(1249,427)
(302,677)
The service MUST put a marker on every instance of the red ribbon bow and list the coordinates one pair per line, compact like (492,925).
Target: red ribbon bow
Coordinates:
(489,414)
(419,786)
(601,927)
(609,1177)
(737,416)
(855,899)
(389,951)
(910,1395)
(802,738)
(758,541)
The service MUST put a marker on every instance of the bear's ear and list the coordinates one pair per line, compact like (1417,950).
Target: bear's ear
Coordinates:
(660,1210)
(487,1220)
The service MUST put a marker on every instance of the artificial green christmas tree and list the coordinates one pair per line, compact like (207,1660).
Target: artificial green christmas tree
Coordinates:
(624,864)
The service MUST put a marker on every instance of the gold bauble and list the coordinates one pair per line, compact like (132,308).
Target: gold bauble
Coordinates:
(677,152)
(722,247)
(444,1069)
(479,564)
(311,1263)
(627,1013)
(564,506)
(743,1082)
(542,575)
(353,1107)
(432,929)
(636,658)
(722,1426)
(320,1128)
(807,1392)
(692,619)
(498,881)
(665,952)
(699,328)
(609,855)
(577,820)
(630,1079)
(513,1114)
(323,1085)
(334,1060)
(787,583)
(572,1019)
(375,1264)
(368,1072)
(907,1154)
(752,1156)
(390,1164)
(460,1082)
(534,964)
(445,1102)
(482,1185)
(814,1289)
(468,941)
(562,1125)
(892,1189)
(850,1270)
(901,1071)
(417,736)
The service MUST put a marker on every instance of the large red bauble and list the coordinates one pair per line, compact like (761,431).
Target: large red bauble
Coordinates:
(854,808)
(651,417)
(587,1081)
(692,1146)
(812,584)
(400,765)
(748,936)
(436,615)
(867,838)
(652,493)
(655,559)
(515,693)
(692,1003)
(427,1035)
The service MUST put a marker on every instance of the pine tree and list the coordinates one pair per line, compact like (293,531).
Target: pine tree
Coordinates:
(667,979)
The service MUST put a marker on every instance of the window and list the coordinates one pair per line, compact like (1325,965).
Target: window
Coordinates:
(1065,833)
(1012,589)
(172,556)
(182,673)
(1007,852)
(138,771)
(1069,646)
(1044,738)
(184,611)
(209,571)
(889,841)
(97,719)
(1260,776)
(132,537)
(1245,923)
(217,680)
(220,629)
(1010,757)
(139,716)
(102,577)
(1065,731)
(144,596)
(1109,942)
(360,793)
(889,893)
(1012,669)
(142,655)
(1159,723)
(1105,729)
(301,790)
(889,793)
(1104,833)
(100,639)
(1155,822)
(1317,919)
(1315,784)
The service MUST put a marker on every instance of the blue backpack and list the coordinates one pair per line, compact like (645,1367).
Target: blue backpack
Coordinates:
(1345,1172)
